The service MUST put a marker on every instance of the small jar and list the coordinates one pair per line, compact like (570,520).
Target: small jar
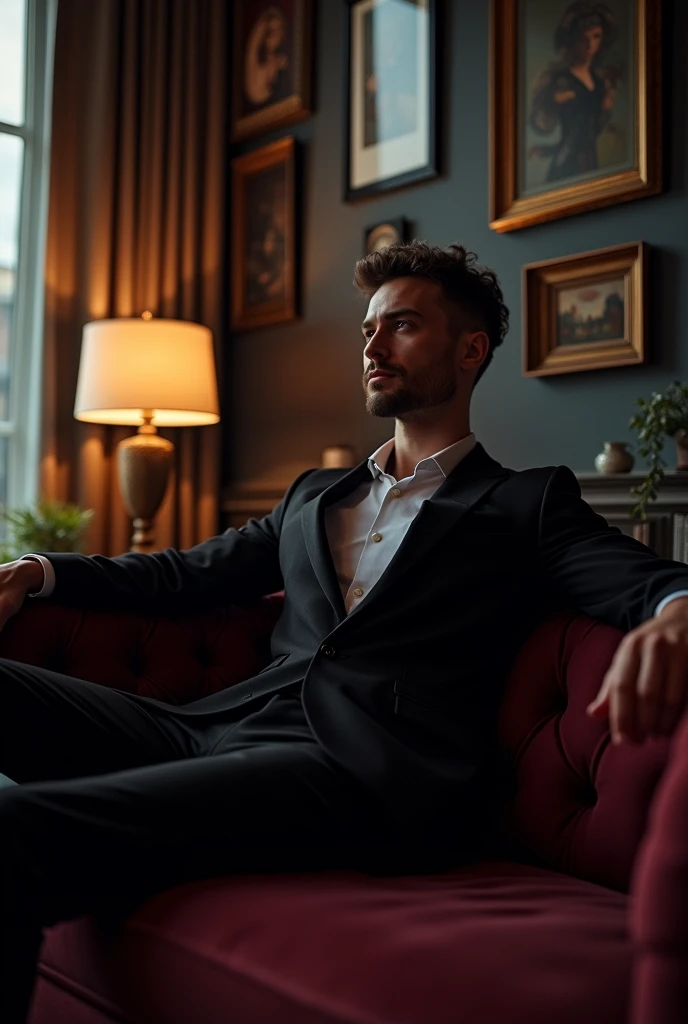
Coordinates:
(615,458)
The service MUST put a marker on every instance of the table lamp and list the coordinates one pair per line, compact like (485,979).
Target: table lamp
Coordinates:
(152,372)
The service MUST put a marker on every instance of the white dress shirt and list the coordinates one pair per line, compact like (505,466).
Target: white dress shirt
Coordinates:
(365,529)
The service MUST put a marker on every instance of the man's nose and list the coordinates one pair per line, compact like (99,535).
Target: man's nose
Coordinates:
(375,346)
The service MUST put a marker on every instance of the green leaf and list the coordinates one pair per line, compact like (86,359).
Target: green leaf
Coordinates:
(661,417)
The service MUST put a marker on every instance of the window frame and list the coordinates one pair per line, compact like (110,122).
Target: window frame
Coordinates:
(24,427)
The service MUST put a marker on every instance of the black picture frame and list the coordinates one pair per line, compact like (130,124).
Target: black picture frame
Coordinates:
(398,226)
(429,167)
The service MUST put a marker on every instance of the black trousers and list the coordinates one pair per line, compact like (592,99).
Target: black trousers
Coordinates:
(120,797)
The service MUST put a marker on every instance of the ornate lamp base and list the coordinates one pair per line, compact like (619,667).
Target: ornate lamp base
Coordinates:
(143,466)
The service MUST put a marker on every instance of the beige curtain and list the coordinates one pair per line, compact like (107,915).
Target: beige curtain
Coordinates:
(136,221)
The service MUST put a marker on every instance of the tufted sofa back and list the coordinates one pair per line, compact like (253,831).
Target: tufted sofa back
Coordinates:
(578,803)
(175,660)
(574,802)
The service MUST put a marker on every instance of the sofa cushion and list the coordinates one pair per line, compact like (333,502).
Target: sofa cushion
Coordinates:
(496,941)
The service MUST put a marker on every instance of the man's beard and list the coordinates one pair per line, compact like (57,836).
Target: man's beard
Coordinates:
(436,386)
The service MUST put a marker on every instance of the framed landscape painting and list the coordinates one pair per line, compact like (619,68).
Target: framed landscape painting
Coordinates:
(575,107)
(585,312)
(264,243)
(390,94)
(272,64)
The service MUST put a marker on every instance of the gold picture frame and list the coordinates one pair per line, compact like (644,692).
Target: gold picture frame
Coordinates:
(273,65)
(513,202)
(264,236)
(586,312)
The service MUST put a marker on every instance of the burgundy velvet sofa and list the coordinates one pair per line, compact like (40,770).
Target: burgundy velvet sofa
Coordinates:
(578,916)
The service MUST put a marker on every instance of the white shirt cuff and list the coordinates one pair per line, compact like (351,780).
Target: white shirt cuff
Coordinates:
(48,575)
(662,604)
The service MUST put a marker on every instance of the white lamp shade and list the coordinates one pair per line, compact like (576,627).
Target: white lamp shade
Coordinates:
(130,364)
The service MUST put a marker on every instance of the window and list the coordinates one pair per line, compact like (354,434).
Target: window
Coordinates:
(27,33)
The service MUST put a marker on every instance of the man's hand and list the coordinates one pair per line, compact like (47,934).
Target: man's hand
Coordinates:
(645,691)
(16,580)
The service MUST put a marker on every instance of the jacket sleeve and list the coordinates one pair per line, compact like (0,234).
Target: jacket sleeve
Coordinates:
(594,566)
(234,567)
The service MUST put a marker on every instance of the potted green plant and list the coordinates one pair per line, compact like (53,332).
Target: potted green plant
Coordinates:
(51,526)
(664,415)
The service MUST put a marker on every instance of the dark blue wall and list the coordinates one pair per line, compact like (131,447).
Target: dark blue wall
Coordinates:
(295,388)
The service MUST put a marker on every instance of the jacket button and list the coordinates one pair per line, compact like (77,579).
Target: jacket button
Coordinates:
(328,651)
(247,697)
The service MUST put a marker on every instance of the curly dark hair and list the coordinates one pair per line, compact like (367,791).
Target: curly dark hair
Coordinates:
(474,289)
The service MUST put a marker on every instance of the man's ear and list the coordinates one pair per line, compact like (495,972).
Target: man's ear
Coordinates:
(475,346)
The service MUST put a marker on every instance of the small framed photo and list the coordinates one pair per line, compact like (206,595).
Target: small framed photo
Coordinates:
(272,58)
(585,312)
(264,242)
(390,94)
(387,232)
(575,107)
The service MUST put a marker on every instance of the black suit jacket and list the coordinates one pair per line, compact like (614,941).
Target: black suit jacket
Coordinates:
(403,692)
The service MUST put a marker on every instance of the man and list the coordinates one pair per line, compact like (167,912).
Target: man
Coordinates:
(410,583)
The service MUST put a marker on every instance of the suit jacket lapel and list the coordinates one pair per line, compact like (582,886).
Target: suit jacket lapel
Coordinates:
(464,487)
(468,482)
(315,533)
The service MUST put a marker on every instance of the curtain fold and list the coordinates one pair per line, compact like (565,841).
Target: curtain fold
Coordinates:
(136,221)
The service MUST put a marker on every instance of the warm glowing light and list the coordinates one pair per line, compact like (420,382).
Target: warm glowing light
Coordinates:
(131,364)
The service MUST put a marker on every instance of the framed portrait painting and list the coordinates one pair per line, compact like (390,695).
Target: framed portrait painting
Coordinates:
(387,232)
(390,94)
(272,64)
(575,107)
(585,312)
(264,242)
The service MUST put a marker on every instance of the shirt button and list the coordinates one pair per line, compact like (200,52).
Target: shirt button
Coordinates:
(396,492)
(377,536)
(358,592)
(328,651)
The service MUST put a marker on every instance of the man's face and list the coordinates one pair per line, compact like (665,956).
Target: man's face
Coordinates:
(407,332)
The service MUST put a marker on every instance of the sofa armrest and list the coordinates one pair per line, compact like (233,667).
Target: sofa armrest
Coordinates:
(659,890)
(177,659)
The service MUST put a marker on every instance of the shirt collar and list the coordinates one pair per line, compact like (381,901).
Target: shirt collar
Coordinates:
(442,462)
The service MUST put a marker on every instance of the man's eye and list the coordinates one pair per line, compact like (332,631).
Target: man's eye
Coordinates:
(402,322)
